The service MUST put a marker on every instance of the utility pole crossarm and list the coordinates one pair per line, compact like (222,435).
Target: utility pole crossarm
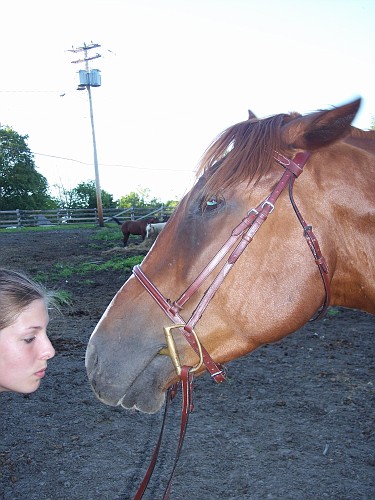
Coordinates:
(86,59)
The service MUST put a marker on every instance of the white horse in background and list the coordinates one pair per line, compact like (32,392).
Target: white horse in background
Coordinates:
(153,230)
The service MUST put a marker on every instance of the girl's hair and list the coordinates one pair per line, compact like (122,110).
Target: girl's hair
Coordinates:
(17,292)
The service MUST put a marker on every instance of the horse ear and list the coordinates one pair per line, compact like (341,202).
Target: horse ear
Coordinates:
(251,115)
(319,129)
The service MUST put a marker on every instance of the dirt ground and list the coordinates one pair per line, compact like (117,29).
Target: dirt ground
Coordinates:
(294,421)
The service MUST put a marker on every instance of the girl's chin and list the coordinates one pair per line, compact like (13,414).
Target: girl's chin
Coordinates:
(31,387)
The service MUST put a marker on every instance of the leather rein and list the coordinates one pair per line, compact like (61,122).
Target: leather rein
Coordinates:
(242,234)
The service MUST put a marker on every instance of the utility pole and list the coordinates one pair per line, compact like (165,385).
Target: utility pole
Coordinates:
(87,80)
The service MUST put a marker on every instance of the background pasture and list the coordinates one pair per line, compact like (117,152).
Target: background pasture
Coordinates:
(295,419)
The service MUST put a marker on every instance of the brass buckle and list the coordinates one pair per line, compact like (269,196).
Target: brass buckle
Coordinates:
(171,349)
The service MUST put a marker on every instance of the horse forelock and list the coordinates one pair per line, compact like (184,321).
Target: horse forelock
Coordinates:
(242,153)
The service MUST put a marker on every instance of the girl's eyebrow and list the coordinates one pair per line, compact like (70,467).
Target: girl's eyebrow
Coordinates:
(38,327)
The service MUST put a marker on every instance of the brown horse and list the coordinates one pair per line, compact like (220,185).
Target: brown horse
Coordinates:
(137,227)
(274,287)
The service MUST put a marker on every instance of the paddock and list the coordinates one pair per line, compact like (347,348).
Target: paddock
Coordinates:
(294,420)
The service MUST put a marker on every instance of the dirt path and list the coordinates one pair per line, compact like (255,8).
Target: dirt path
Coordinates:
(295,420)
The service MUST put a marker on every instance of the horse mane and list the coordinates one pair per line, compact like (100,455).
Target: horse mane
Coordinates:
(242,152)
(362,134)
(363,139)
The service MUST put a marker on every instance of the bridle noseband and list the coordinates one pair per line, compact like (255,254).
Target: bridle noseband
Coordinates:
(241,235)
(244,232)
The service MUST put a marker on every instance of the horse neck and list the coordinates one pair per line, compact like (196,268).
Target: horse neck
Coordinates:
(351,231)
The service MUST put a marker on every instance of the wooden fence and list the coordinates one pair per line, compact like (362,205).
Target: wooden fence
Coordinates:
(27,218)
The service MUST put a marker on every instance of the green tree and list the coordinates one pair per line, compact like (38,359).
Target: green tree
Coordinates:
(84,196)
(65,197)
(21,186)
(132,200)
(172,204)
(140,199)
(143,200)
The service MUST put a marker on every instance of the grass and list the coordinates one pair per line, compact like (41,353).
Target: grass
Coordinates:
(65,271)
(59,271)
(108,235)
(60,227)
(62,297)
(332,311)
(117,263)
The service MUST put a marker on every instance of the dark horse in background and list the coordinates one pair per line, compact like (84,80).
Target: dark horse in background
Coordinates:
(137,227)
(274,287)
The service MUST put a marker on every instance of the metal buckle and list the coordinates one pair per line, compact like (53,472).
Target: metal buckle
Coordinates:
(253,211)
(270,204)
(171,349)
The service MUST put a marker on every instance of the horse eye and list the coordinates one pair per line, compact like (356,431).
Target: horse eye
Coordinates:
(210,204)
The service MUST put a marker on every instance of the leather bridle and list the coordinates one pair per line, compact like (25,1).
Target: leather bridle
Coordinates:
(245,231)
(241,235)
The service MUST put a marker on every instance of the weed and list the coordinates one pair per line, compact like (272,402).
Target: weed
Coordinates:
(62,297)
(333,311)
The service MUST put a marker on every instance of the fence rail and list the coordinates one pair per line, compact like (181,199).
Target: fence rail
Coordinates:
(26,218)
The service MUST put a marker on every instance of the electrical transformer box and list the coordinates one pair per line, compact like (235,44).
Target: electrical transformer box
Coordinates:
(83,77)
(95,78)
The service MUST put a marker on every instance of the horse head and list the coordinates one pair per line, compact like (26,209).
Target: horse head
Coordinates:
(274,287)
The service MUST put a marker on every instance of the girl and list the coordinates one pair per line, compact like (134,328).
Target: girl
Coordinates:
(24,345)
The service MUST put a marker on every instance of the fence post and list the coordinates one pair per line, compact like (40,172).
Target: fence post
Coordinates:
(18,215)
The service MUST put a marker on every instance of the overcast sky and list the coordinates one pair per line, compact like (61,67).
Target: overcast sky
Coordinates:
(175,73)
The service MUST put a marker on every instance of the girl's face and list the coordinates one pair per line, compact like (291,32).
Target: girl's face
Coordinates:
(25,349)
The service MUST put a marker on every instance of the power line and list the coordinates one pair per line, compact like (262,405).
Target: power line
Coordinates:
(113,165)
(32,91)
(53,91)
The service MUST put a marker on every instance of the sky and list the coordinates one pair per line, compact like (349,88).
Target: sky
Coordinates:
(175,73)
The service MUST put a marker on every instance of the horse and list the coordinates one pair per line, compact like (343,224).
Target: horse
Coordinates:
(270,282)
(137,227)
(153,230)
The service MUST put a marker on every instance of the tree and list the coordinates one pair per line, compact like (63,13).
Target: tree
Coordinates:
(143,200)
(132,200)
(21,186)
(65,197)
(84,196)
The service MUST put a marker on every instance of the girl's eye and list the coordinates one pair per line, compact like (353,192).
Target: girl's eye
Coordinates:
(29,340)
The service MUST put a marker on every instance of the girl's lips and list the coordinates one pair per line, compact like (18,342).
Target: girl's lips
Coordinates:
(41,373)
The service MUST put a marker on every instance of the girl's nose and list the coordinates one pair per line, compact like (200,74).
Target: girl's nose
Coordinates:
(48,350)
